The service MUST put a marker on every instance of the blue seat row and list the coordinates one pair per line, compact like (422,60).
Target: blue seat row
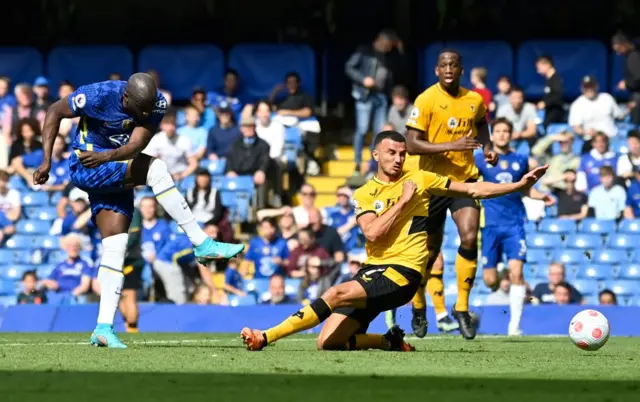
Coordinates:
(590,241)
(578,256)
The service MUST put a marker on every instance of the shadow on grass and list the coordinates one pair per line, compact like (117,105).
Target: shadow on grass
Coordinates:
(286,385)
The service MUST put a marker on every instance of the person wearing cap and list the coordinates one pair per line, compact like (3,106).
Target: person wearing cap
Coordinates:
(370,70)
(25,108)
(41,89)
(551,102)
(249,156)
(223,134)
(623,46)
(594,111)
(342,217)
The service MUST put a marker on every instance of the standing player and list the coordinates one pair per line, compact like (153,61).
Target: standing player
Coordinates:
(446,125)
(117,121)
(393,212)
(504,218)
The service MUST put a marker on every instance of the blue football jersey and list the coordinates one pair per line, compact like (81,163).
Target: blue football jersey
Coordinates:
(103,122)
(178,249)
(507,209)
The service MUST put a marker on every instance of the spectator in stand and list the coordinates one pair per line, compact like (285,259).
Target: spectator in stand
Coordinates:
(308,248)
(276,294)
(207,115)
(223,134)
(632,210)
(545,292)
(562,294)
(478,79)
(369,70)
(315,281)
(294,102)
(41,90)
(590,164)
(10,201)
(269,130)
(175,150)
(155,233)
(355,264)
(607,298)
(307,197)
(67,126)
(26,142)
(500,297)
(288,229)
(73,275)
(114,77)
(400,109)
(608,199)
(7,99)
(30,293)
(572,204)
(342,217)
(156,78)
(228,95)
(60,175)
(78,220)
(628,162)
(7,228)
(523,117)
(25,108)
(594,111)
(326,236)
(558,163)
(268,252)
(206,203)
(501,97)
(196,133)
(622,45)
(551,102)
(249,155)
(234,280)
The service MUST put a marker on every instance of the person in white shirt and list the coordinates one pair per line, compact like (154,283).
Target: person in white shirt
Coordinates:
(608,200)
(631,160)
(175,150)
(523,117)
(10,202)
(269,130)
(594,111)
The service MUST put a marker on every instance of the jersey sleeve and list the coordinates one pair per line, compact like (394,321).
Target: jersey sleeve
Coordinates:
(159,110)
(481,111)
(420,114)
(434,183)
(83,101)
(363,202)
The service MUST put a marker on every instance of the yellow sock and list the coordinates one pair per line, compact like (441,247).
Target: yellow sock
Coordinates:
(420,299)
(435,287)
(368,341)
(306,318)
(466,267)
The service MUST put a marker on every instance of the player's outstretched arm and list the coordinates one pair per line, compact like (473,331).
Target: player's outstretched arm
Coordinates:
(373,227)
(56,112)
(417,145)
(484,189)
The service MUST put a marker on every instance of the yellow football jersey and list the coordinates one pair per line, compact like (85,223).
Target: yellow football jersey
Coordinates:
(406,242)
(444,118)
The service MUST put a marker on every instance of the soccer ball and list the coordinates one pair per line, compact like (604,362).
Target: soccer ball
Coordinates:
(589,330)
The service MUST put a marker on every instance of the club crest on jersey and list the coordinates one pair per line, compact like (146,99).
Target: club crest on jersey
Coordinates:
(378,206)
(452,123)
(504,165)
(119,139)
(515,166)
(127,124)
(415,112)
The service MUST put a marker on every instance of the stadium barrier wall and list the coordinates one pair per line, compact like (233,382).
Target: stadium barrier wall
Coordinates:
(537,320)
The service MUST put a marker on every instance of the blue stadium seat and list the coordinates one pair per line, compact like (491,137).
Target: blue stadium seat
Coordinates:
(259,286)
(248,300)
(186,184)
(8,300)
(228,198)
(629,226)
(291,286)
(560,226)
(449,255)
(451,240)
(593,225)
(631,271)
(7,288)
(530,227)
(184,67)
(591,300)
(43,213)
(557,128)
(240,184)
(262,66)
(56,256)
(20,242)
(35,198)
(543,240)
(587,287)
(17,183)
(541,272)
(14,272)
(529,270)
(537,256)
(610,256)
(570,256)
(55,197)
(44,271)
(33,227)
(214,167)
(87,64)
(450,275)
(47,242)
(572,59)
(624,288)
(584,241)
(571,271)
(478,300)
(293,137)
(623,241)
(619,145)
(21,64)
(495,56)
(595,271)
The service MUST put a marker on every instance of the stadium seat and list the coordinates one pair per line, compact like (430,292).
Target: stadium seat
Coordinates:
(619,145)
(44,271)
(557,128)
(623,241)
(449,255)
(8,300)
(291,286)
(21,64)
(20,241)
(631,272)
(572,59)
(26,226)
(584,241)
(7,288)
(35,198)
(600,226)
(570,256)
(262,66)
(214,167)
(542,271)
(496,56)
(610,256)
(293,138)
(184,67)
(47,242)
(43,213)
(543,240)
(586,286)
(55,197)
(17,183)
(598,272)
(530,227)
(186,184)
(55,256)
(629,226)
(259,286)
(591,300)
(248,300)
(450,274)
(478,300)
(451,240)
(571,271)
(240,183)
(537,256)
(560,226)
(624,288)
(14,272)
(87,64)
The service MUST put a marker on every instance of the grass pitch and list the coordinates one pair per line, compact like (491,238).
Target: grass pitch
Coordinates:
(215,367)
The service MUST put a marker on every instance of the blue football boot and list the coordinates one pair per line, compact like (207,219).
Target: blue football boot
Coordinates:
(105,336)
(213,250)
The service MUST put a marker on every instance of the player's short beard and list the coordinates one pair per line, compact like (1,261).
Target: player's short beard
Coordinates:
(389,174)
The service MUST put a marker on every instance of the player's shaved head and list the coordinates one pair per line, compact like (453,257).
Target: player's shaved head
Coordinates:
(389,134)
(450,53)
(390,151)
(140,95)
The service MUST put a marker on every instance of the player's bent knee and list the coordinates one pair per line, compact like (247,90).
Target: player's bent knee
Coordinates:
(469,239)
(490,277)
